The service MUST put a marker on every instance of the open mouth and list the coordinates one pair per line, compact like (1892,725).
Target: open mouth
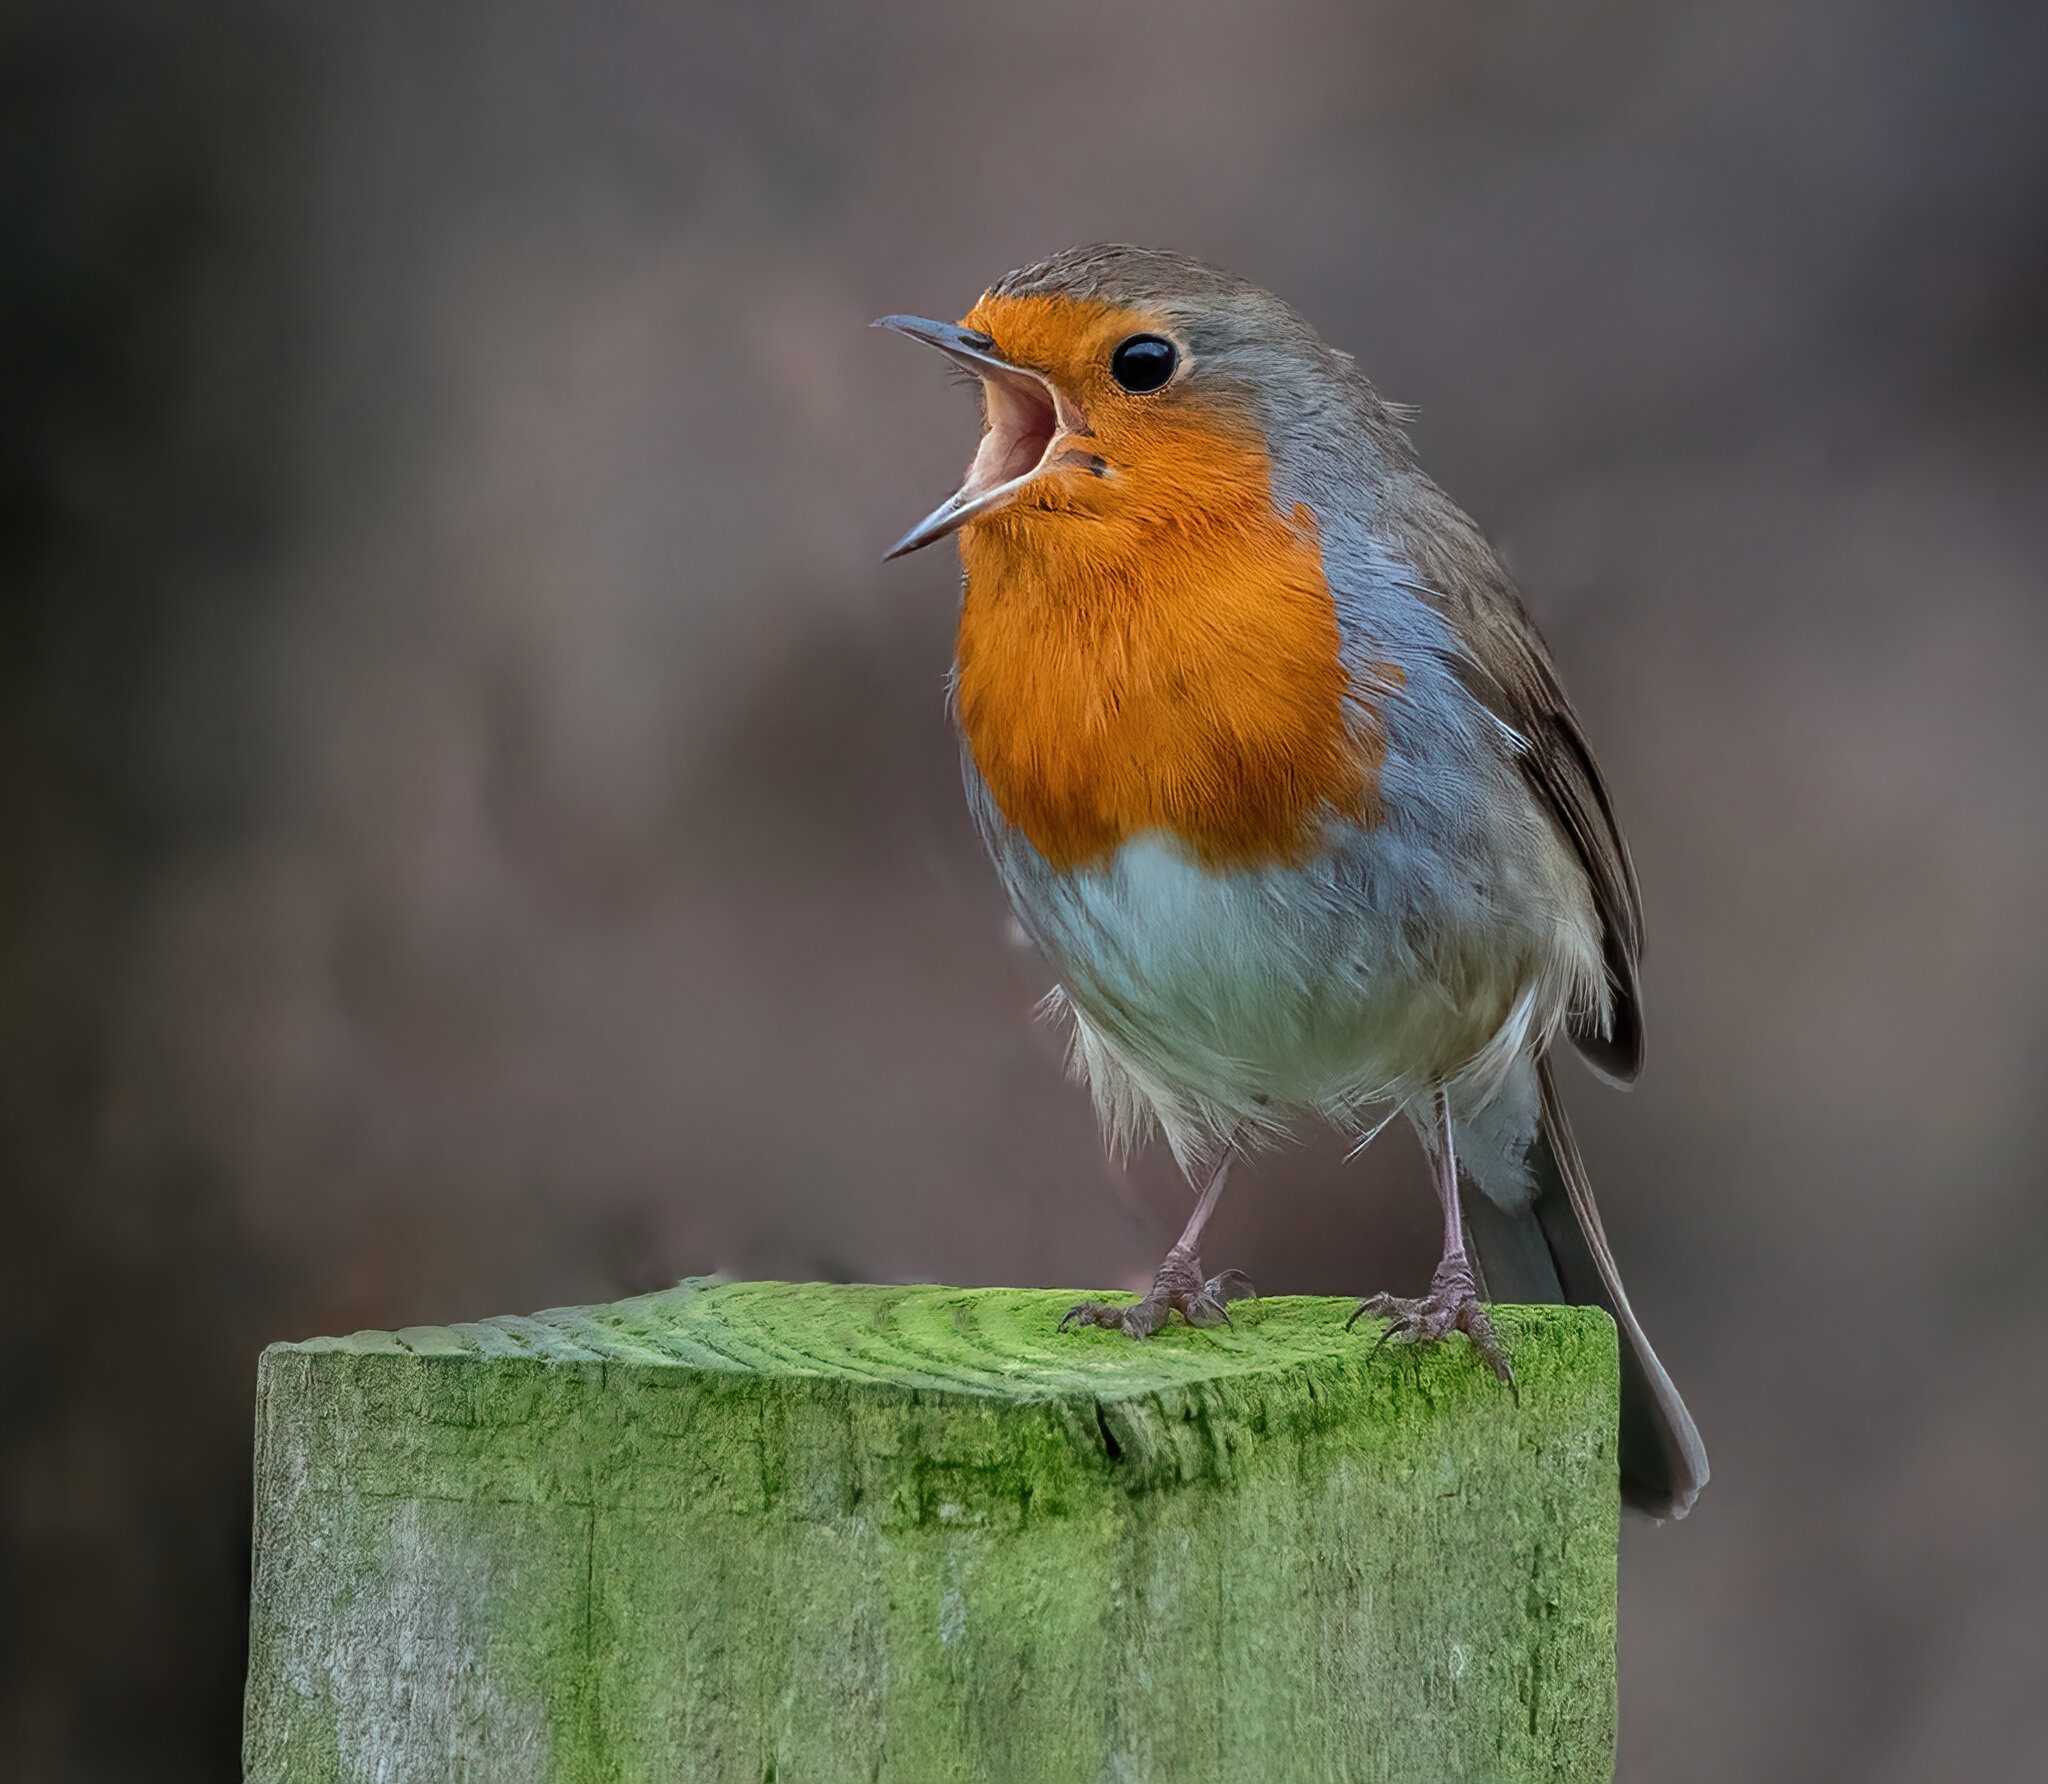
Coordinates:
(1027,422)
(1023,421)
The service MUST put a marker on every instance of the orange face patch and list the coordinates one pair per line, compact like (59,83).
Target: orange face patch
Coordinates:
(1153,648)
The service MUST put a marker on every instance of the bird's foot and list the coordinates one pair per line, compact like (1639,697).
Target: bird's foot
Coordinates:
(1179,1288)
(1452,1305)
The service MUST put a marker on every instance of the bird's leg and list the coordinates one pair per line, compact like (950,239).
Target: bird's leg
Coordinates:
(1452,1304)
(1180,1286)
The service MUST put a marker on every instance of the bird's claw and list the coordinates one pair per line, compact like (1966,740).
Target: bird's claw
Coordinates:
(1451,1305)
(1179,1288)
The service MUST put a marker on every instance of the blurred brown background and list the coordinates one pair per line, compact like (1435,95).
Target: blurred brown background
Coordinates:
(479,830)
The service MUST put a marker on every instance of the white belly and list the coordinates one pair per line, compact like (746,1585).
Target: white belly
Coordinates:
(1230,1004)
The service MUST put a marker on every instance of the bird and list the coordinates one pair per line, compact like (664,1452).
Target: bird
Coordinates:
(1281,779)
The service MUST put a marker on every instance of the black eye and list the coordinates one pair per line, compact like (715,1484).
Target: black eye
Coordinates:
(1143,363)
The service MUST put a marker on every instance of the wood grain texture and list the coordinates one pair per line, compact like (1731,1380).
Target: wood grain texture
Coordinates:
(773,1531)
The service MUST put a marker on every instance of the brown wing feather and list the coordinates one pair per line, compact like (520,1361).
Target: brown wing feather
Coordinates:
(1506,666)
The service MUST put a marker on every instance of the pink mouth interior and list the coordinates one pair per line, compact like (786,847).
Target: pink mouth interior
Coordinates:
(1022,420)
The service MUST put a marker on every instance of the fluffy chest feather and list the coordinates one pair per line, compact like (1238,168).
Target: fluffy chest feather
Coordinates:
(1118,677)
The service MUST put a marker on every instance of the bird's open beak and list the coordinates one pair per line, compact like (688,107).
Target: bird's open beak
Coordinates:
(1029,423)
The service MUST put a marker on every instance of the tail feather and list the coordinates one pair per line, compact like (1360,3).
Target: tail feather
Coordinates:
(1554,1249)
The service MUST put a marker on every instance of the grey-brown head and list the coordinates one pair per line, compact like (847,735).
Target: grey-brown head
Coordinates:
(1114,376)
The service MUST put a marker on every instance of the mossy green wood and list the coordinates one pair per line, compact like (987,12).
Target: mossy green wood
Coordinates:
(773,1531)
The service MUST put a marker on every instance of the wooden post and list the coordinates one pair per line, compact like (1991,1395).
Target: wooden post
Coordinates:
(798,1532)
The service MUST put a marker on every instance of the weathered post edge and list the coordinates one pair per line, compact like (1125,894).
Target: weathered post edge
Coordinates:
(783,1531)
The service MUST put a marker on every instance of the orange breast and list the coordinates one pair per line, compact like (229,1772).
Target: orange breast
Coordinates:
(1166,664)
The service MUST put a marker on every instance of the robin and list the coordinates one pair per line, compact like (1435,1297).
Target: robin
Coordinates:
(1278,773)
